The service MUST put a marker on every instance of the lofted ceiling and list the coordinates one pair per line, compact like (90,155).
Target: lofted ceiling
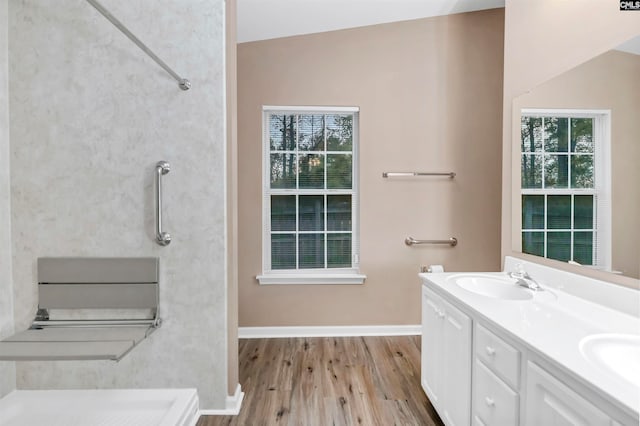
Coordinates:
(266,19)
(631,46)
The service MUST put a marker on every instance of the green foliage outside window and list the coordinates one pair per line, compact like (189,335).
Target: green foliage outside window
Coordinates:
(557,161)
(310,152)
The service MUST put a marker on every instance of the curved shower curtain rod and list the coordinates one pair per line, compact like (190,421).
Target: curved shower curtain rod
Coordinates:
(182,82)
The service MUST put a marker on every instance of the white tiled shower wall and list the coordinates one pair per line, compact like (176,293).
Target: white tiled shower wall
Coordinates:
(90,116)
(7,369)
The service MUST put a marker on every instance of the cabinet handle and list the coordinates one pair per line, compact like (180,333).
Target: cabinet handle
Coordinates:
(490,351)
(489,401)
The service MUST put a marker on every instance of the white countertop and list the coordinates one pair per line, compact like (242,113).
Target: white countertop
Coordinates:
(552,324)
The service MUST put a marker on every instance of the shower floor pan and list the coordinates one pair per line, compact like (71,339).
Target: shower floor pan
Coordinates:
(134,407)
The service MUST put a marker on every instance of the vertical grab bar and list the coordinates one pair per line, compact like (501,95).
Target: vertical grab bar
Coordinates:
(162,238)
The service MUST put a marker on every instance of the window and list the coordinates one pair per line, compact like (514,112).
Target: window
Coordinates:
(310,204)
(564,186)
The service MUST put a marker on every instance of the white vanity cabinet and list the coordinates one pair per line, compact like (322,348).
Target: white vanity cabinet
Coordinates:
(476,374)
(446,358)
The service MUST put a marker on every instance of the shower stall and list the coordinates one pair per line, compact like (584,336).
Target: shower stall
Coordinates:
(85,115)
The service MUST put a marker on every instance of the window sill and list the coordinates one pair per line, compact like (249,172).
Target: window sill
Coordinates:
(347,278)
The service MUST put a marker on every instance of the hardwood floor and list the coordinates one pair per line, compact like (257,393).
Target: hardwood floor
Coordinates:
(327,381)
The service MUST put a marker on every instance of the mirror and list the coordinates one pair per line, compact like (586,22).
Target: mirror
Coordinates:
(577,172)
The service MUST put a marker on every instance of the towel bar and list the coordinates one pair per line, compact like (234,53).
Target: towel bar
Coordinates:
(410,174)
(410,241)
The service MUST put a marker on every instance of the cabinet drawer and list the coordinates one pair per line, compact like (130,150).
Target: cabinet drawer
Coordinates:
(502,358)
(494,403)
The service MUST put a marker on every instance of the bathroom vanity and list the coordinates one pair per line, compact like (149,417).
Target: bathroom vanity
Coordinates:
(498,353)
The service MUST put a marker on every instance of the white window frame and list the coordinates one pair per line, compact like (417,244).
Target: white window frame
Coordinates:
(602,179)
(350,275)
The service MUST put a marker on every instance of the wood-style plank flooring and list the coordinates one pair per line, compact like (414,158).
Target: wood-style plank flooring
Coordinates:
(328,381)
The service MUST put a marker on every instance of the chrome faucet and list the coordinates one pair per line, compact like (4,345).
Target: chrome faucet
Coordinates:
(524,279)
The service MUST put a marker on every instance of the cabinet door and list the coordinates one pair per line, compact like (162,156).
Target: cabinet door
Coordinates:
(456,366)
(431,350)
(550,402)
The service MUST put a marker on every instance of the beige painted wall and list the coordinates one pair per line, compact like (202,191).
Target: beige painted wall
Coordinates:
(232,193)
(7,369)
(609,81)
(429,93)
(543,39)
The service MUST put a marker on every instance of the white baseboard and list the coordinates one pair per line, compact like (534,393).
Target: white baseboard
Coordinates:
(329,331)
(233,404)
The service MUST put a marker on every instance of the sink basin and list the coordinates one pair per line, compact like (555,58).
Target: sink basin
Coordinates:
(492,286)
(618,354)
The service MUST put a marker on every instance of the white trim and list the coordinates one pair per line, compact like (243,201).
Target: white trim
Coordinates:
(564,112)
(603,170)
(233,403)
(329,331)
(288,108)
(266,214)
(329,279)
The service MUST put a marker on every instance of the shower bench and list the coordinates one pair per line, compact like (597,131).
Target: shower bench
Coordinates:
(89,308)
